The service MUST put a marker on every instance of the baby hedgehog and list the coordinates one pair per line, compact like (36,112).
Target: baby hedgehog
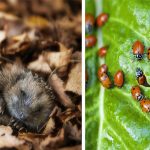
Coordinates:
(26,97)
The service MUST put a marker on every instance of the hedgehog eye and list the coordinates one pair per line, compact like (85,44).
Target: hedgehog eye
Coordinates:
(22,93)
(38,109)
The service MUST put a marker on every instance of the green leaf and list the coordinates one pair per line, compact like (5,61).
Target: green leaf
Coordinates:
(113,119)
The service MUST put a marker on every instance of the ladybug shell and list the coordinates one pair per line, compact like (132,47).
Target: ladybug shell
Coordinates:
(102,52)
(101,19)
(136,93)
(90,41)
(119,78)
(141,80)
(138,48)
(145,105)
(148,54)
(102,69)
(105,80)
(89,19)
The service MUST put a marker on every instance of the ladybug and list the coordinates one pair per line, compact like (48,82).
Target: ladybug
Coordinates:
(90,41)
(89,23)
(136,93)
(119,78)
(105,80)
(102,69)
(138,50)
(148,54)
(102,51)
(101,19)
(145,105)
(140,76)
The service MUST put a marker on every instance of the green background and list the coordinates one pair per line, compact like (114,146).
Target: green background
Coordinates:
(113,119)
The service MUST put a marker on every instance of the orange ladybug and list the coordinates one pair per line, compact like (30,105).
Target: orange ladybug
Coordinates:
(102,19)
(102,51)
(119,78)
(105,80)
(102,69)
(145,105)
(148,54)
(90,41)
(89,23)
(136,93)
(138,50)
(140,76)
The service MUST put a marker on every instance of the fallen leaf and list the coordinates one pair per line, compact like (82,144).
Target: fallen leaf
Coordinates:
(69,114)
(2,36)
(8,16)
(7,139)
(75,80)
(39,65)
(36,21)
(73,132)
(49,127)
(58,87)
(52,142)
(59,59)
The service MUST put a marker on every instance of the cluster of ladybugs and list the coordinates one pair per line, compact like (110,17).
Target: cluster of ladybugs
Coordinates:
(137,50)
(90,39)
(105,80)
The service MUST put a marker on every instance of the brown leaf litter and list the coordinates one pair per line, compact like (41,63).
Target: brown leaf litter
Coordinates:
(48,42)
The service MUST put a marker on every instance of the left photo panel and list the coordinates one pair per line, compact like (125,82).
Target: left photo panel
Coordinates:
(41,74)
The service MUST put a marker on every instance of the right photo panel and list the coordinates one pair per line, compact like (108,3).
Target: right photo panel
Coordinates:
(117,73)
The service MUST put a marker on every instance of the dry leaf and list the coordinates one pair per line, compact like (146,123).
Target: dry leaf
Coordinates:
(7,139)
(53,141)
(2,36)
(36,21)
(75,80)
(73,132)
(8,16)
(69,114)
(39,65)
(49,127)
(57,85)
(59,59)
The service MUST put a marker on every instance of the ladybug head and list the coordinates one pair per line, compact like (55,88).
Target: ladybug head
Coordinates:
(140,97)
(139,56)
(88,28)
(139,72)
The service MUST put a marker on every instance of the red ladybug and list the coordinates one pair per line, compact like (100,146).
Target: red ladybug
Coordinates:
(148,54)
(138,50)
(102,51)
(89,23)
(105,80)
(102,19)
(140,76)
(136,93)
(90,41)
(102,69)
(145,105)
(119,78)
